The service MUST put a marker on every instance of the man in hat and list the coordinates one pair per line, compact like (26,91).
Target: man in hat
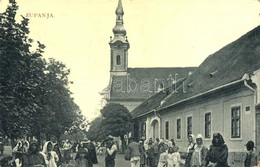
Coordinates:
(251,157)
(111,150)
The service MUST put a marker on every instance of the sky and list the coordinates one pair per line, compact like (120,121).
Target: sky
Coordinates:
(161,33)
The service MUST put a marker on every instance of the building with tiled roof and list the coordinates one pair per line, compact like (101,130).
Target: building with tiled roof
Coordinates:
(131,86)
(222,95)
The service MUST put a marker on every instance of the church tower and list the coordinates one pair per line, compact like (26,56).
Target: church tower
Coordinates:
(119,45)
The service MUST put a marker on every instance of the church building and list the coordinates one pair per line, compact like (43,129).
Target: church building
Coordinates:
(131,86)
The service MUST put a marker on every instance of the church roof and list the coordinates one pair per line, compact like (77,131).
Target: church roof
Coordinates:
(225,66)
(141,83)
(156,99)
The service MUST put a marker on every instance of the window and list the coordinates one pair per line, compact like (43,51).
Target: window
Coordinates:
(167,130)
(179,128)
(235,121)
(143,130)
(118,60)
(207,125)
(189,126)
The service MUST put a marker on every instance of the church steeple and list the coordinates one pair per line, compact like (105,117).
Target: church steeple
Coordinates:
(119,27)
(119,9)
(119,44)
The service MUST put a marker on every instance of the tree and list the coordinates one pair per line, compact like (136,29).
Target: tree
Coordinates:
(21,71)
(65,113)
(35,98)
(94,132)
(117,121)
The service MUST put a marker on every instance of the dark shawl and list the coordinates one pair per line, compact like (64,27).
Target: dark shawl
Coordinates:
(218,152)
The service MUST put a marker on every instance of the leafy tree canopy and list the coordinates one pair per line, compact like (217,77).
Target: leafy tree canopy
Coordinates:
(34,93)
(115,120)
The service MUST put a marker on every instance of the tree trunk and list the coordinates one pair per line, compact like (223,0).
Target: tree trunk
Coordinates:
(38,137)
(12,142)
(123,144)
(48,137)
(58,137)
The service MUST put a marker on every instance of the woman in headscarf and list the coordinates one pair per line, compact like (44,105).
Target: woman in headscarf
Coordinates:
(17,153)
(51,158)
(190,149)
(199,154)
(150,154)
(218,152)
(18,147)
(33,157)
(26,146)
(142,152)
(56,148)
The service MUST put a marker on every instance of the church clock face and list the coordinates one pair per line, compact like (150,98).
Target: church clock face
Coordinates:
(119,44)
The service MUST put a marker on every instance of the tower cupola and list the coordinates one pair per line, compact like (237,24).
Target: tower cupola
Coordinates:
(119,27)
(119,44)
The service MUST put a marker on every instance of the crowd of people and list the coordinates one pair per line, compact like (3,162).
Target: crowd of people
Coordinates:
(26,154)
(162,153)
(149,153)
(64,154)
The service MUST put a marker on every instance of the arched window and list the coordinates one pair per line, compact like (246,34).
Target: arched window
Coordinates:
(118,60)
(155,129)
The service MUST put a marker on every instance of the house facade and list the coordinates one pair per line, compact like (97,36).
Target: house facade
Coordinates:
(221,95)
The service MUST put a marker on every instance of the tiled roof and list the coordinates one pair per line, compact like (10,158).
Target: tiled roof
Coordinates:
(155,100)
(224,66)
(141,83)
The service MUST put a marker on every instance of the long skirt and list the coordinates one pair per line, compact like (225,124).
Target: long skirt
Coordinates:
(156,159)
(142,159)
(66,156)
(150,162)
(110,163)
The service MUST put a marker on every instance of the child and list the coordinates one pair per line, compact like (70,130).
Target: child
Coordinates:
(174,157)
(163,158)
(251,157)
(81,161)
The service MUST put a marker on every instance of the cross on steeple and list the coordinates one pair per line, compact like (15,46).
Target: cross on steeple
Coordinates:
(119,27)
